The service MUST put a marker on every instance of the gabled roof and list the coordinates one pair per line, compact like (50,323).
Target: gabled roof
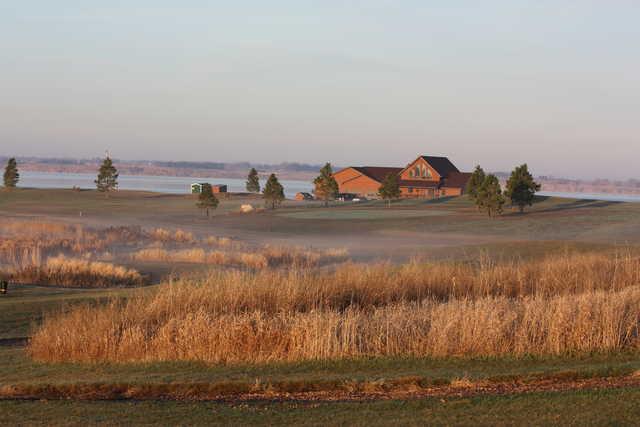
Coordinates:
(377,173)
(442,165)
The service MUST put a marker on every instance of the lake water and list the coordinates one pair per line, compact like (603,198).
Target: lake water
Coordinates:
(181,185)
(593,196)
(161,184)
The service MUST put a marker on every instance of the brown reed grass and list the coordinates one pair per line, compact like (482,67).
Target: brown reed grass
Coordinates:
(568,304)
(178,236)
(27,243)
(73,272)
(572,324)
(260,258)
(349,285)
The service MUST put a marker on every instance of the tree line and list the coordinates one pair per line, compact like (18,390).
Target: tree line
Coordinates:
(487,194)
(483,189)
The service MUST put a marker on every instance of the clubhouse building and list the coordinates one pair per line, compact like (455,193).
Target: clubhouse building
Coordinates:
(426,177)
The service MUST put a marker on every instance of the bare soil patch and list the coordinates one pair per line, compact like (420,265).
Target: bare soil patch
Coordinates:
(403,388)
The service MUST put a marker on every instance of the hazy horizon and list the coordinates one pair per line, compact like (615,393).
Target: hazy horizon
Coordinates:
(497,83)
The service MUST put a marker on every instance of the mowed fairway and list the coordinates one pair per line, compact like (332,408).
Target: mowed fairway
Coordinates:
(369,230)
(575,408)
(579,389)
(363,214)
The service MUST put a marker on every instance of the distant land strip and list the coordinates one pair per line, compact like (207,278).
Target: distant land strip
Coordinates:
(285,170)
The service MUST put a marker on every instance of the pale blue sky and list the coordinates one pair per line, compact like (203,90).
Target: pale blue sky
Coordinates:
(376,82)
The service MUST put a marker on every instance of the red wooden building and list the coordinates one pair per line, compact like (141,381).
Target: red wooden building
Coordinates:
(426,177)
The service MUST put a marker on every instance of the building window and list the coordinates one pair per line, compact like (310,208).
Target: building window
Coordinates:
(410,189)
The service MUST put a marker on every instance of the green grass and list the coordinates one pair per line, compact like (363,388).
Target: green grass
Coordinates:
(548,219)
(92,203)
(523,250)
(574,408)
(25,305)
(17,368)
(362,214)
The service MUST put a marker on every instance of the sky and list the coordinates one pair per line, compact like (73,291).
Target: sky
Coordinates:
(555,84)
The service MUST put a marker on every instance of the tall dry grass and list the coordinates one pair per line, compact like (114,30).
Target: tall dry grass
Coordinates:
(73,272)
(302,289)
(178,236)
(260,258)
(29,243)
(568,304)
(590,322)
(15,227)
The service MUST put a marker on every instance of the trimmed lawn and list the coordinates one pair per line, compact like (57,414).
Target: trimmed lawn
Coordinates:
(574,408)
(363,214)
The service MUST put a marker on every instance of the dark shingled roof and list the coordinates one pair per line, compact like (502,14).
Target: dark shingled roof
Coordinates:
(457,180)
(442,165)
(452,177)
(419,183)
(376,172)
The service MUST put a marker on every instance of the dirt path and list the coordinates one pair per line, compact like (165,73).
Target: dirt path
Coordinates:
(343,392)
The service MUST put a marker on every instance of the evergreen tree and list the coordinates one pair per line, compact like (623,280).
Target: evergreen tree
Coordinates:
(11,175)
(273,192)
(521,188)
(206,199)
(490,196)
(253,181)
(475,181)
(390,188)
(107,179)
(326,187)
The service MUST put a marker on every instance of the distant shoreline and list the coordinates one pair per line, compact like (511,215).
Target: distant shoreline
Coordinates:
(180,184)
(600,188)
(153,183)
(632,198)
(291,171)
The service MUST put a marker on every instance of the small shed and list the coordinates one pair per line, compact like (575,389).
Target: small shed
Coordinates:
(196,187)
(303,196)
